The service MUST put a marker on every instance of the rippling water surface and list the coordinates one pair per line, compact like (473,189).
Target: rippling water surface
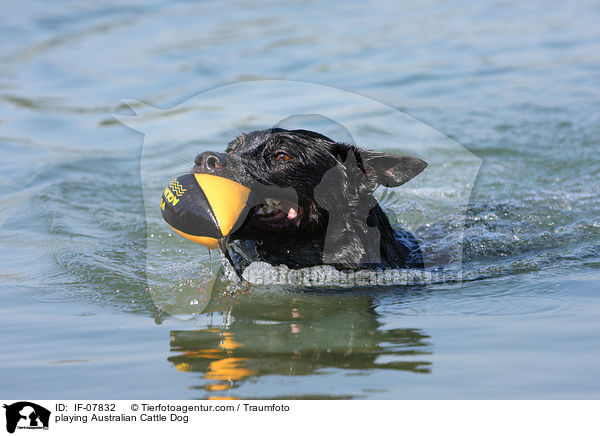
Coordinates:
(517,85)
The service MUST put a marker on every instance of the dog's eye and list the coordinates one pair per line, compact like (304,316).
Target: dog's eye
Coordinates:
(280,155)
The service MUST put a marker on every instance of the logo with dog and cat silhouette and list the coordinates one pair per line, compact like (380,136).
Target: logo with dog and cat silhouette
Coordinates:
(25,415)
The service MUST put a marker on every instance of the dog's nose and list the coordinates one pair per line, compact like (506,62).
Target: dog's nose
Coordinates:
(209,161)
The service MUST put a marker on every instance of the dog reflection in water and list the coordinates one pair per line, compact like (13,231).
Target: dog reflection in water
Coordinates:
(290,337)
(220,368)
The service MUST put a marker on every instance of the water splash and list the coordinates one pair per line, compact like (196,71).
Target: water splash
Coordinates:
(262,273)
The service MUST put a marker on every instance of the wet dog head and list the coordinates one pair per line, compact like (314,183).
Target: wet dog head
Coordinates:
(304,181)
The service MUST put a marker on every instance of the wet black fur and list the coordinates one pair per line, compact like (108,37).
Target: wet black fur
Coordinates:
(332,183)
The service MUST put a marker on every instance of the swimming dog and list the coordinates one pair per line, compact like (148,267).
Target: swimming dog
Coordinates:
(316,203)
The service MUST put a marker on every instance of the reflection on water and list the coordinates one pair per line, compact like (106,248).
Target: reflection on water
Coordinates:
(295,335)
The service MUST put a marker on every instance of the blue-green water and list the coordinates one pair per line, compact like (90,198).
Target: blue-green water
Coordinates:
(517,84)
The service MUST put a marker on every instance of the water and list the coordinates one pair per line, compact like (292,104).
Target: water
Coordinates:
(516,84)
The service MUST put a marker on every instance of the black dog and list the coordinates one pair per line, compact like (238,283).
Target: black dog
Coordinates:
(316,203)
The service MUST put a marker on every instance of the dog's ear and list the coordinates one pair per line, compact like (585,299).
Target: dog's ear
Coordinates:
(390,170)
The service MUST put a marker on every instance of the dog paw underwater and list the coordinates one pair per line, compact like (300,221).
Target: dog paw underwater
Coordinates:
(295,200)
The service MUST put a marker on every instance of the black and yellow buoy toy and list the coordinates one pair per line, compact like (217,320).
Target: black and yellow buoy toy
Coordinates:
(204,208)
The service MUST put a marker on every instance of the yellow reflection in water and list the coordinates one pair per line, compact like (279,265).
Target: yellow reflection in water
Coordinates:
(223,370)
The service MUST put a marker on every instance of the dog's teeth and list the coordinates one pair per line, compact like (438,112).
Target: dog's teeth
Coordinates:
(292,213)
(274,204)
